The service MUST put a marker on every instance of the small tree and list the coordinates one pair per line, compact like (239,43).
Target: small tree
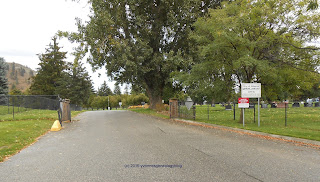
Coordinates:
(104,90)
(13,70)
(117,90)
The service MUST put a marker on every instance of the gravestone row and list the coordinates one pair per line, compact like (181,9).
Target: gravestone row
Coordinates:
(275,105)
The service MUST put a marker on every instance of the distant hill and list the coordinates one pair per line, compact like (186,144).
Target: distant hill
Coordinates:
(19,76)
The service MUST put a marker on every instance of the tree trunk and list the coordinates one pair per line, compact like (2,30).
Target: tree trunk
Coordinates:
(155,98)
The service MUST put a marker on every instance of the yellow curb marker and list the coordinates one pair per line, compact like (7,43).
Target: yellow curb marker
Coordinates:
(56,126)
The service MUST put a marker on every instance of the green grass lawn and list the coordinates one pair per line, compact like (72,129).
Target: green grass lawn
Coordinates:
(301,122)
(24,129)
(8,110)
(150,112)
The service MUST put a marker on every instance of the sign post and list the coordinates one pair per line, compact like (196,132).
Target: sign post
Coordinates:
(252,90)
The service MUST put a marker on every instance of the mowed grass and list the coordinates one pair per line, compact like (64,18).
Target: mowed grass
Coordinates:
(303,122)
(18,133)
(8,110)
(150,112)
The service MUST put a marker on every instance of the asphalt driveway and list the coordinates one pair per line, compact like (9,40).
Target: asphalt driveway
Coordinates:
(125,146)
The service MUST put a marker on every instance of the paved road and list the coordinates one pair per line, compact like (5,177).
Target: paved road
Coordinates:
(125,146)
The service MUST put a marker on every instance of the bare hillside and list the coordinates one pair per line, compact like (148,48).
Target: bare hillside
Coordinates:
(19,76)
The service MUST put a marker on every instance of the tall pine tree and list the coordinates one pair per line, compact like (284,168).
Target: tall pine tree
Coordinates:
(104,90)
(3,78)
(117,90)
(75,84)
(51,66)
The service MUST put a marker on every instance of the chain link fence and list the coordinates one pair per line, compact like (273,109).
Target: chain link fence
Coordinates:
(11,104)
(282,112)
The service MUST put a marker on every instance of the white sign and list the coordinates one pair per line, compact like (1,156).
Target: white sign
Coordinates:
(250,90)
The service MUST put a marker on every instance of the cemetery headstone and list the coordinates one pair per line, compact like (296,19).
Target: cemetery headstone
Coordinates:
(282,105)
(251,106)
(308,104)
(296,104)
(264,106)
(228,107)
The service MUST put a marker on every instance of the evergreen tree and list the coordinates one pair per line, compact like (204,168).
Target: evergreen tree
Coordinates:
(51,67)
(13,70)
(22,71)
(126,89)
(75,84)
(31,73)
(117,90)
(104,90)
(3,78)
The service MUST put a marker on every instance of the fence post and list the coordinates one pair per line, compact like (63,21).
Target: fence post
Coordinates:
(254,112)
(234,110)
(208,112)
(194,112)
(285,106)
(170,109)
(8,104)
(13,108)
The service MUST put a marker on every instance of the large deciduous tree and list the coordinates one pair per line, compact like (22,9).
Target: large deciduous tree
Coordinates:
(258,41)
(138,41)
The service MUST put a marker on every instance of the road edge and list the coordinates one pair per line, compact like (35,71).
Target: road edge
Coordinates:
(296,141)
(287,139)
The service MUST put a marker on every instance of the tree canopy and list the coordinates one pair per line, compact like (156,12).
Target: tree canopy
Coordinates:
(75,84)
(140,42)
(51,65)
(256,41)
(56,77)
(104,90)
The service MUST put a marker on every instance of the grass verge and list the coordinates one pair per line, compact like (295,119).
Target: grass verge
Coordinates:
(301,122)
(150,112)
(18,133)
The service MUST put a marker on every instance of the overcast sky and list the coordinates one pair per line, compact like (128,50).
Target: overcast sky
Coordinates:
(27,27)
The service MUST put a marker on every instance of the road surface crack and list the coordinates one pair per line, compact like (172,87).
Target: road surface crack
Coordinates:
(252,176)
(161,130)
(200,151)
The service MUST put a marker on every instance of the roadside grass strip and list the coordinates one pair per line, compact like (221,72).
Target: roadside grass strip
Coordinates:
(17,134)
(303,122)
